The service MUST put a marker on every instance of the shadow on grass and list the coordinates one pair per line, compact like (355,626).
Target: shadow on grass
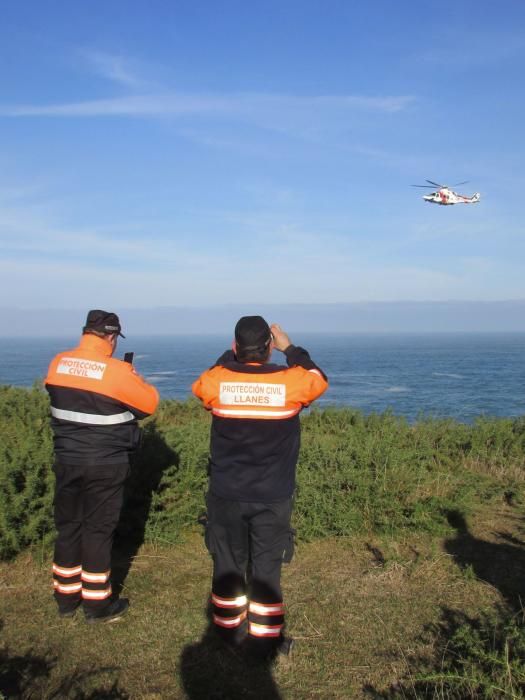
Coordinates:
(213,670)
(29,676)
(147,468)
(501,564)
(18,674)
(474,657)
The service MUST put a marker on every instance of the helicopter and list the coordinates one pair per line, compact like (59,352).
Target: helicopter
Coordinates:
(445,195)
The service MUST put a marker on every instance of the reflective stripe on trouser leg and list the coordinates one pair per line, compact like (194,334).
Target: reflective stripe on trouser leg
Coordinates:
(95,586)
(270,532)
(227,536)
(102,505)
(67,586)
(266,619)
(228,613)
(68,544)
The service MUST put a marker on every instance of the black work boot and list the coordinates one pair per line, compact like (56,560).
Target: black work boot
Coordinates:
(285,646)
(70,610)
(270,649)
(112,612)
(233,637)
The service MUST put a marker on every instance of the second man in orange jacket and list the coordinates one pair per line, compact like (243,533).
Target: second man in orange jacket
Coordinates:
(254,446)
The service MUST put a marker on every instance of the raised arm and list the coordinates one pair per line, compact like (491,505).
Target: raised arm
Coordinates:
(314,382)
(133,391)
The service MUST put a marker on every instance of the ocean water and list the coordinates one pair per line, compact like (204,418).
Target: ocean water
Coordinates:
(457,375)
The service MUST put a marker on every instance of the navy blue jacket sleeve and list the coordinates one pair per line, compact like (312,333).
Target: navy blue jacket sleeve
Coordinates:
(295,355)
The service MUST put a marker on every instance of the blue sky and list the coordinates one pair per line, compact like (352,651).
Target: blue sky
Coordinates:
(198,153)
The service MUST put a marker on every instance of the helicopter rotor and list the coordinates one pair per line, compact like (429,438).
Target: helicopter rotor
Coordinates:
(441,187)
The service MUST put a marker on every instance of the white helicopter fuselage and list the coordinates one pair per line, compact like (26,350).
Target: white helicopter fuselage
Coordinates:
(446,196)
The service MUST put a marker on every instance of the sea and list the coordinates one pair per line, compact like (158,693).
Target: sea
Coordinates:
(457,375)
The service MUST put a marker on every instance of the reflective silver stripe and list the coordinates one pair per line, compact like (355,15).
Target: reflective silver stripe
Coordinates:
(92,418)
(316,371)
(254,413)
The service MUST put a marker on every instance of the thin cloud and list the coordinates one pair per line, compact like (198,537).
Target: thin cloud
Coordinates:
(330,281)
(13,193)
(116,68)
(153,271)
(25,236)
(475,50)
(251,106)
(241,146)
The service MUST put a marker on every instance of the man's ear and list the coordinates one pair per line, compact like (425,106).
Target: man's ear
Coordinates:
(234,346)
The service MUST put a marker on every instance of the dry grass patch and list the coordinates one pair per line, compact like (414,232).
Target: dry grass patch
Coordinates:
(359,609)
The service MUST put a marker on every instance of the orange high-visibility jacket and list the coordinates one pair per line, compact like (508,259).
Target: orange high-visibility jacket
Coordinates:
(255,432)
(95,403)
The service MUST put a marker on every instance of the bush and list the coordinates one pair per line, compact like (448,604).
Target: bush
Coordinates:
(26,478)
(180,496)
(477,658)
(356,473)
(379,473)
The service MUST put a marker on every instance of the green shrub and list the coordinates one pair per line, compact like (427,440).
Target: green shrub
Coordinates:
(478,658)
(356,473)
(26,478)
(180,497)
(379,473)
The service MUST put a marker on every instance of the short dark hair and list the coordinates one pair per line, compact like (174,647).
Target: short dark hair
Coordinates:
(253,355)
(99,334)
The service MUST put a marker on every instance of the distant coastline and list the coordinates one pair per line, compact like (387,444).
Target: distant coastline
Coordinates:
(341,318)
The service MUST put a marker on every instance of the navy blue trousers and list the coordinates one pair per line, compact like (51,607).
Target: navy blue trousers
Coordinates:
(88,501)
(249,543)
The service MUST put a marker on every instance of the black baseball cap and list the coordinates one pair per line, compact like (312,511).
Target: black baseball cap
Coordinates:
(103,322)
(252,333)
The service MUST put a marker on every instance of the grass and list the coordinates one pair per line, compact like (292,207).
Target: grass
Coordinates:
(371,616)
(407,580)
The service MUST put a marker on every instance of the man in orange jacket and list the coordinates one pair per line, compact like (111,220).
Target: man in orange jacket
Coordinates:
(96,401)
(254,447)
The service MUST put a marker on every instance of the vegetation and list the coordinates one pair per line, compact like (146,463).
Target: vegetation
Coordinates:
(356,473)
(481,657)
(374,492)
(26,478)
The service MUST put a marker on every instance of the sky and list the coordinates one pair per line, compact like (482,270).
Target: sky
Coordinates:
(203,153)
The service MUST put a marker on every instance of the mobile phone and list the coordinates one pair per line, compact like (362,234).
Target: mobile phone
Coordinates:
(128,357)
